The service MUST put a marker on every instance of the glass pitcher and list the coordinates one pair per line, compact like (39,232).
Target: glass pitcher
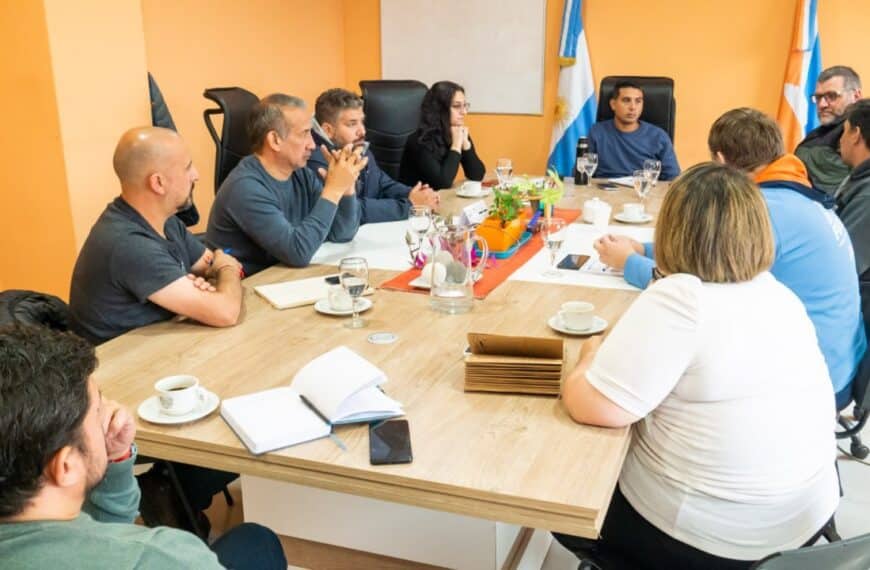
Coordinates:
(452,247)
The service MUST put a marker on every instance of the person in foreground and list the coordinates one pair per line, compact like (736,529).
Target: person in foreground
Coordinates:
(624,142)
(813,254)
(68,496)
(340,121)
(139,264)
(271,208)
(442,143)
(712,479)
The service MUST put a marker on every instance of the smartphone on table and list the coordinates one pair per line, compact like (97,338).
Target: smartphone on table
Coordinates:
(573,261)
(389,442)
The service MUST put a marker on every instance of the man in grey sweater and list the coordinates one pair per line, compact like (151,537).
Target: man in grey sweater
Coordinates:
(271,208)
(64,445)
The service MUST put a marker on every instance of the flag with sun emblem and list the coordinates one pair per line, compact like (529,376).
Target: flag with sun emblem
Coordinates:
(575,106)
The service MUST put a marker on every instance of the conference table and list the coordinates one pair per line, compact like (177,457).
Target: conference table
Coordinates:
(479,458)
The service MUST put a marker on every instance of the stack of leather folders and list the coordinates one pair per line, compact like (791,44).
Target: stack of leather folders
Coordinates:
(514,364)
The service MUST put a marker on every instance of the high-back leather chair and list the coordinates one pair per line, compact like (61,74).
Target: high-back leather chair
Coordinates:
(392,109)
(235,104)
(659,105)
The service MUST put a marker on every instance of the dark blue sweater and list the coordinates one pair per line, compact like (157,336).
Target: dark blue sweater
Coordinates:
(620,154)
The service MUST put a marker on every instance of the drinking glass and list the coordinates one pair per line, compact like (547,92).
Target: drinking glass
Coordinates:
(420,220)
(503,171)
(642,185)
(587,163)
(653,169)
(353,272)
(553,232)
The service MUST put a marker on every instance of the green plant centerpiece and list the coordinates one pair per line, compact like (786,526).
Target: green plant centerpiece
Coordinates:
(552,192)
(507,217)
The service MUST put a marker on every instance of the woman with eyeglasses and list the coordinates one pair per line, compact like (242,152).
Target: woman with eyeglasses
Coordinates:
(434,153)
(703,364)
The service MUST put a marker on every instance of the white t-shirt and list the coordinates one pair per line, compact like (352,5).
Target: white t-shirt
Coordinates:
(735,452)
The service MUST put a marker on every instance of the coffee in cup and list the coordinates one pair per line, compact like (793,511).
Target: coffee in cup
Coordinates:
(179,395)
(339,299)
(633,211)
(577,315)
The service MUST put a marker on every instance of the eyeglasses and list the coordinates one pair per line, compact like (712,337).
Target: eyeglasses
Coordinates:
(461,106)
(829,96)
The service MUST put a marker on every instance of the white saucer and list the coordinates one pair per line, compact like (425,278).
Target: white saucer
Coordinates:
(150,411)
(482,194)
(621,217)
(322,306)
(598,325)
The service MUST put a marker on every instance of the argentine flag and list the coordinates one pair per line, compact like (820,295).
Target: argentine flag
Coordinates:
(797,112)
(575,106)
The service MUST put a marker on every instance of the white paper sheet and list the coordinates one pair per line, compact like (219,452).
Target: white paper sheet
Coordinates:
(579,239)
(382,245)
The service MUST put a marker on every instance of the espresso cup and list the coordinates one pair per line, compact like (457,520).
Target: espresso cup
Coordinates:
(577,315)
(339,299)
(633,211)
(472,187)
(179,395)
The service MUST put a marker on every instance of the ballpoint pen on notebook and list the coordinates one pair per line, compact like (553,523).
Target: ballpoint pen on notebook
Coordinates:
(335,439)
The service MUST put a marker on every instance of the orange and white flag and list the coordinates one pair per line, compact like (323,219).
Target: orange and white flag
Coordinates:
(797,111)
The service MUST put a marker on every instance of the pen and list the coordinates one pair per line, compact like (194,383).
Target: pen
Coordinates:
(335,439)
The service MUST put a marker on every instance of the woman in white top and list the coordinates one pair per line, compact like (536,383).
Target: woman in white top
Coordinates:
(718,365)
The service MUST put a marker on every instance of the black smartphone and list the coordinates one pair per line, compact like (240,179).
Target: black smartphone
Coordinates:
(389,442)
(607,185)
(573,261)
(332,279)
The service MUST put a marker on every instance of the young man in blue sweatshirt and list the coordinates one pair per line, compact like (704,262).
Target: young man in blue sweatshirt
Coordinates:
(814,256)
(340,121)
(271,208)
(624,142)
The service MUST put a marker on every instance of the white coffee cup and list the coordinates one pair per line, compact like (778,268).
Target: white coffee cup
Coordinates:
(179,395)
(633,211)
(339,299)
(472,187)
(577,315)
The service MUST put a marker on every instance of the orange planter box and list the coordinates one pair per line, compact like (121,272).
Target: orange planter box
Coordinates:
(500,238)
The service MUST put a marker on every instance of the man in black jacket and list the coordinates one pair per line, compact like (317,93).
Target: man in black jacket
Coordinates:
(836,88)
(339,121)
(853,196)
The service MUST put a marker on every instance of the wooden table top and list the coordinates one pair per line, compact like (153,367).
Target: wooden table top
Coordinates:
(516,459)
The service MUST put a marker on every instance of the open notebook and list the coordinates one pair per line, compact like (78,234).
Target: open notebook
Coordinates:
(289,294)
(340,386)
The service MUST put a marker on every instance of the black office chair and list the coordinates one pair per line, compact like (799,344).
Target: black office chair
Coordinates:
(392,109)
(850,554)
(232,145)
(659,105)
(860,393)
(33,308)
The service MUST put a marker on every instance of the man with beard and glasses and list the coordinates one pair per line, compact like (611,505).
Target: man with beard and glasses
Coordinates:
(67,491)
(140,265)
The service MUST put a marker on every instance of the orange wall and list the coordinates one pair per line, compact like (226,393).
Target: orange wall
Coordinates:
(36,228)
(100,93)
(720,54)
(292,46)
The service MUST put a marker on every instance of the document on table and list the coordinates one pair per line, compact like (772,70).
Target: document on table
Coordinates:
(623,181)
(579,239)
(383,245)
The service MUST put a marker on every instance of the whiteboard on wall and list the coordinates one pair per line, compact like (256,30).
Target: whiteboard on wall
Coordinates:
(493,48)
